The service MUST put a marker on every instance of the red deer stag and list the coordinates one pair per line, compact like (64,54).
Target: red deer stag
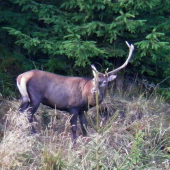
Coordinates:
(72,94)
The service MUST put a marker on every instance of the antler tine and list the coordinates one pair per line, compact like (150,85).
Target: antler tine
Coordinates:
(127,44)
(131,48)
(106,71)
(94,68)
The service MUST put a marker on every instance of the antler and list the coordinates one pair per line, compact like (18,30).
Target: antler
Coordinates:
(131,48)
(94,68)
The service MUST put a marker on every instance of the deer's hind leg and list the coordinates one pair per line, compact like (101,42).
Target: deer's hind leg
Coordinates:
(24,105)
(33,106)
(83,123)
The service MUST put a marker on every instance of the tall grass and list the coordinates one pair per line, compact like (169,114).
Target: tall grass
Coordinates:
(132,133)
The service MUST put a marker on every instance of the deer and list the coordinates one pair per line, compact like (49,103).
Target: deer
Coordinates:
(71,94)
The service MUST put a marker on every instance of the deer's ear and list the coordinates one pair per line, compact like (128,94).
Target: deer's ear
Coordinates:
(111,78)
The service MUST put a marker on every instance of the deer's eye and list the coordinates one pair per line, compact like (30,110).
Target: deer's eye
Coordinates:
(103,83)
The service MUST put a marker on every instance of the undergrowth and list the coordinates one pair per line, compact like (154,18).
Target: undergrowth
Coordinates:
(132,133)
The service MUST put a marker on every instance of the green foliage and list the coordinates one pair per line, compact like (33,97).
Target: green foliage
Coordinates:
(67,36)
(10,66)
(165,92)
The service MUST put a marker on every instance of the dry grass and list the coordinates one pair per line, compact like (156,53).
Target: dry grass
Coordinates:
(133,134)
(16,144)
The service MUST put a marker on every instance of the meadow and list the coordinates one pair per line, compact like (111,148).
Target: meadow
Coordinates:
(129,130)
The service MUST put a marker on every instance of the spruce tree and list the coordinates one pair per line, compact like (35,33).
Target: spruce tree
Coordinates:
(67,36)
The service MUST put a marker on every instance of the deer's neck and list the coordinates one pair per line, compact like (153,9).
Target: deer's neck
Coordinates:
(93,94)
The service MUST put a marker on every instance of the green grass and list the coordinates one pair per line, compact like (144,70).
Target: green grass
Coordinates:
(132,133)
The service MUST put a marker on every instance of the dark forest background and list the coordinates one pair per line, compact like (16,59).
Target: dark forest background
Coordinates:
(67,36)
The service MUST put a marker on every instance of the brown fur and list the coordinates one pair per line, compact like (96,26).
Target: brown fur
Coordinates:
(72,94)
